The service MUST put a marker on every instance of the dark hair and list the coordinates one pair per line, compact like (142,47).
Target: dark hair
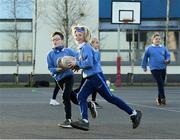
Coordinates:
(58,33)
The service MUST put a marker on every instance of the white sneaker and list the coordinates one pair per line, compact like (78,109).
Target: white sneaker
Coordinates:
(53,102)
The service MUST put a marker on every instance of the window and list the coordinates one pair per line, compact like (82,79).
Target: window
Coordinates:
(108,45)
(16,26)
(109,48)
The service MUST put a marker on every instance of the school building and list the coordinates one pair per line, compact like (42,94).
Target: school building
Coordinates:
(26,27)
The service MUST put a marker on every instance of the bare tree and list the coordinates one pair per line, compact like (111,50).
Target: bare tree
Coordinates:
(15,7)
(16,38)
(34,45)
(66,13)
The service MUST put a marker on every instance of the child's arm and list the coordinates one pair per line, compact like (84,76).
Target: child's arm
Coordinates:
(167,56)
(87,59)
(52,68)
(145,60)
(72,52)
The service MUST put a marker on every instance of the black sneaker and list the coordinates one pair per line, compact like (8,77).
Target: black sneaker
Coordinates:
(97,105)
(92,108)
(136,119)
(80,124)
(163,101)
(158,101)
(66,124)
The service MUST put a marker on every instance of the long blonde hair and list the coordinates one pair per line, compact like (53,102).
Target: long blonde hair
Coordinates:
(87,32)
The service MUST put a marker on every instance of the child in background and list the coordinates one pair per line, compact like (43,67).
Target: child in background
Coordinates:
(94,80)
(95,45)
(157,56)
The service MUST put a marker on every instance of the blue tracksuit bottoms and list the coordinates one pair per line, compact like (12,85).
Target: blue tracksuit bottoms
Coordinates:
(98,83)
(159,76)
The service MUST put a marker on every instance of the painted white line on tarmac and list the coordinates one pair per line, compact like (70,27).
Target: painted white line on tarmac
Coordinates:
(158,108)
(146,106)
(41,91)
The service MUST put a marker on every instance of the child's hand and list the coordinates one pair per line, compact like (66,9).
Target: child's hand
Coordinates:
(72,64)
(76,68)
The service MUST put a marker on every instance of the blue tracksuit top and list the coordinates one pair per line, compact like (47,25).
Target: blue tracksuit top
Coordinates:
(52,57)
(88,60)
(97,55)
(155,55)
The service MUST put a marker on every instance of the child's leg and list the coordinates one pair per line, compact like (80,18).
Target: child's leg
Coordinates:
(66,95)
(82,82)
(96,82)
(73,98)
(158,76)
(56,90)
(74,93)
(83,94)
(94,96)
(104,91)
(163,101)
(163,75)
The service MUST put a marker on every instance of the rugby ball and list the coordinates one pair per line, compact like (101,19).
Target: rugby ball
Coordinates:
(65,61)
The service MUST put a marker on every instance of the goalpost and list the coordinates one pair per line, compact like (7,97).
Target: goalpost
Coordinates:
(125,13)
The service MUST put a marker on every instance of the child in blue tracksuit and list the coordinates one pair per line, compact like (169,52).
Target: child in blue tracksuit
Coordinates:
(95,45)
(63,77)
(88,61)
(158,57)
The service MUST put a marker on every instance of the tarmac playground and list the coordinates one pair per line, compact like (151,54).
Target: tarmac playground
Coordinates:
(25,113)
